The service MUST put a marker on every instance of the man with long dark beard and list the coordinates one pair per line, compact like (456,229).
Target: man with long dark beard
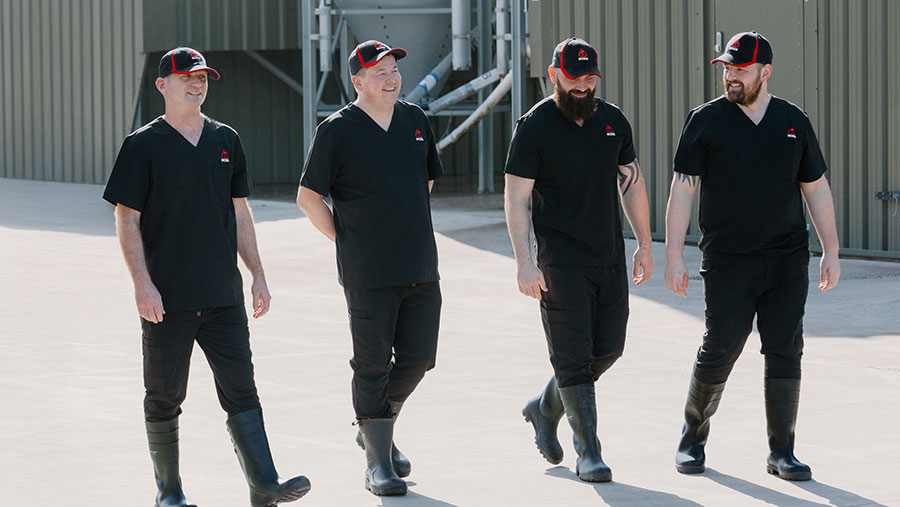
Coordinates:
(758,158)
(573,155)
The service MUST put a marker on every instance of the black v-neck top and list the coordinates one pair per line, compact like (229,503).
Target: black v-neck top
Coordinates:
(378,183)
(575,201)
(750,199)
(184,195)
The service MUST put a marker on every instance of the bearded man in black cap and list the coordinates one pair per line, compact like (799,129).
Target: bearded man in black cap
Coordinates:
(180,187)
(377,160)
(758,159)
(573,155)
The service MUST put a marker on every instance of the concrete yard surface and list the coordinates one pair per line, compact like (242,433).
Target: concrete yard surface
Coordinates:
(72,433)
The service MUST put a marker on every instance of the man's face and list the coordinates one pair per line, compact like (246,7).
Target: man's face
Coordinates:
(184,89)
(574,97)
(742,84)
(379,83)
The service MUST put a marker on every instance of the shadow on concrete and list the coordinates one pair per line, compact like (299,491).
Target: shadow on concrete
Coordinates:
(756,491)
(836,496)
(412,498)
(620,494)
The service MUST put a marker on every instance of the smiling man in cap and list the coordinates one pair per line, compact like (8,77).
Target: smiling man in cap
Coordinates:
(377,160)
(573,155)
(180,187)
(758,159)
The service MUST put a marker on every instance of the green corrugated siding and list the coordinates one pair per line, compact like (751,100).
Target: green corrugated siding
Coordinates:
(69,73)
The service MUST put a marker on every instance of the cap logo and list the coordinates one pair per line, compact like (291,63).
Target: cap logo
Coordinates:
(582,55)
(610,131)
(791,133)
(379,45)
(224,156)
(418,135)
(736,44)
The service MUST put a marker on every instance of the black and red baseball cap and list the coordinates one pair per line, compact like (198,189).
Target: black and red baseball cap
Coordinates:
(371,52)
(184,61)
(746,48)
(575,58)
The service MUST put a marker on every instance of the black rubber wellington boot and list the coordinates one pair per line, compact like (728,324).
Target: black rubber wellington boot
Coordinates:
(782,402)
(381,479)
(702,403)
(248,435)
(581,411)
(544,412)
(401,464)
(163,440)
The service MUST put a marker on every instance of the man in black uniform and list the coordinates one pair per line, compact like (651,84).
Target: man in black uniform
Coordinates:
(180,188)
(573,155)
(377,159)
(756,154)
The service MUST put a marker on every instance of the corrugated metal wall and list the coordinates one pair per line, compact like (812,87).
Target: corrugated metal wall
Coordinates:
(859,118)
(69,74)
(651,58)
(222,25)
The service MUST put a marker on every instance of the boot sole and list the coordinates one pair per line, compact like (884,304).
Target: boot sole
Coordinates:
(690,469)
(386,491)
(293,490)
(796,476)
(605,477)
(553,460)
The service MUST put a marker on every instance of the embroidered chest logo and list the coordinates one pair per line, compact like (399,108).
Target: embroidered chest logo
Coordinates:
(582,55)
(419,135)
(791,133)
(224,156)
(610,131)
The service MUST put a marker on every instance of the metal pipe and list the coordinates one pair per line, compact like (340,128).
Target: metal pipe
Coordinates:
(479,113)
(427,83)
(517,14)
(309,74)
(280,74)
(324,12)
(465,90)
(502,29)
(461,24)
(328,56)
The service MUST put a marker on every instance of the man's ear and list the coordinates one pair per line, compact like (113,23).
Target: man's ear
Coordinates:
(551,71)
(766,72)
(161,85)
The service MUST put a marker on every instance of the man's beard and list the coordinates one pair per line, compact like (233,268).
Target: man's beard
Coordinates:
(574,108)
(747,94)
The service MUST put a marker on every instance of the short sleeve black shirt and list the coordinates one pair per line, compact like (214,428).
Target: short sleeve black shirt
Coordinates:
(575,201)
(184,195)
(378,183)
(750,199)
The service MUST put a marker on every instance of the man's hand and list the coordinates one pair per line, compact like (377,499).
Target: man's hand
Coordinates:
(676,274)
(261,296)
(149,302)
(643,265)
(531,281)
(829,271)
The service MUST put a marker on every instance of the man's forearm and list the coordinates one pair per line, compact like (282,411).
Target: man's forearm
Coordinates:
(678,212)
(246,240)
(317,211)
(820,203)
(519,226)
(128,229)
(637,211)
